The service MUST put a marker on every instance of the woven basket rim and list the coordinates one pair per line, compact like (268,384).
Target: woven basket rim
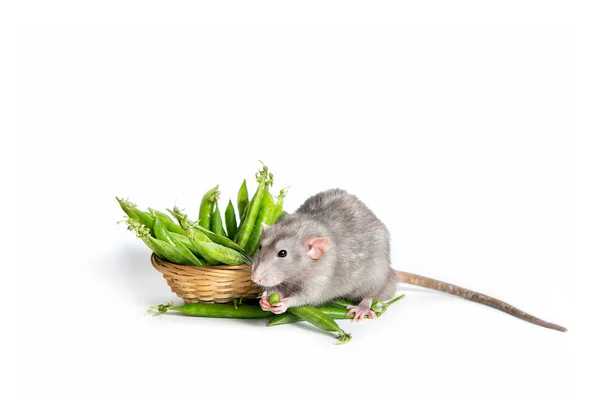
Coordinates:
(156,261)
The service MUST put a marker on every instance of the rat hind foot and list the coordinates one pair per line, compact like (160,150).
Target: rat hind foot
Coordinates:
(362,310)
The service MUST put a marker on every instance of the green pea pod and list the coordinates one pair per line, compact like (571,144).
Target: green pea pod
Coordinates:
(230,221)
(177,213)
(337,302)
(162,233)
(278,207)
(196,238)
(174,254)
(264,215)
(320,320)
(242,199)
(226,255)
(246,228)
(207,205)
(133,212)
(245,311)
(171,225)
(164,250)
(216,223)
(142,232)
(213,237)
(335,309)
(183,239)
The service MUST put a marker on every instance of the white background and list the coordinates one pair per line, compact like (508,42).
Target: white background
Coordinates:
(459,137)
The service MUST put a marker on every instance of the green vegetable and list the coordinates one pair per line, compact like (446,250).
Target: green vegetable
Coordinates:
(214,253)
(171,225)
(278,209)
(283,214)
(223,241)
(214,310)
(161,232)
(197,239)
(242,199)
(183,239)
(163,249)
(320,320)
(207,205)
(339,303)
(133,212)
(264,215)
(335,309)
(247,226)
(230,221)
(224,254)
(274,298)
(177,213)
(216,223)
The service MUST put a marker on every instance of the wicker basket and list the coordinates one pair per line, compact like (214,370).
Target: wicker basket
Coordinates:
(215,284)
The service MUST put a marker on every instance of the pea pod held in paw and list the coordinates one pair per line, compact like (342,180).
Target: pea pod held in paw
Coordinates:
(264,215)
(246,228)
(230,221)
(207,205)
(320,320)
(216,223)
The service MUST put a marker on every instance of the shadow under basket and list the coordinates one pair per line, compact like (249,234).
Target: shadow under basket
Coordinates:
(214,284)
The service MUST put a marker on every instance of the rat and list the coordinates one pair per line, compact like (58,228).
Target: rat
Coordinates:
(333,246)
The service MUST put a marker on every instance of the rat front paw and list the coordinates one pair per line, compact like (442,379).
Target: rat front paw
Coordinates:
(360,312)
(277,308)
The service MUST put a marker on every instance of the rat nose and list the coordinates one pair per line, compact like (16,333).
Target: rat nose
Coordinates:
(254,277)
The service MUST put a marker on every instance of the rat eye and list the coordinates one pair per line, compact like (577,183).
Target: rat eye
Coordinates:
(259,246)
(282,253)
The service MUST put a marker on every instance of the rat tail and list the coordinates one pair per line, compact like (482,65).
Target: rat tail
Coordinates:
(429,283)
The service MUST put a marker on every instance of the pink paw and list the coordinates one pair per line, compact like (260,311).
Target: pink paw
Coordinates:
(277,308)
(360,312)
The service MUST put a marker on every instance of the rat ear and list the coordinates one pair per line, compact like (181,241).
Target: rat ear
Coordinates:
(264,226)
(317,247)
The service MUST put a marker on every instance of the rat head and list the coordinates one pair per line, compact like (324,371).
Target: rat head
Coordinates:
(287,252)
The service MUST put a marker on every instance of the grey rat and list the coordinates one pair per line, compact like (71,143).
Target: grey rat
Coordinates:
(333,246)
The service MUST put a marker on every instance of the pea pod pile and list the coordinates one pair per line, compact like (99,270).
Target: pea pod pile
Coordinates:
(212,239)
(322,317)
